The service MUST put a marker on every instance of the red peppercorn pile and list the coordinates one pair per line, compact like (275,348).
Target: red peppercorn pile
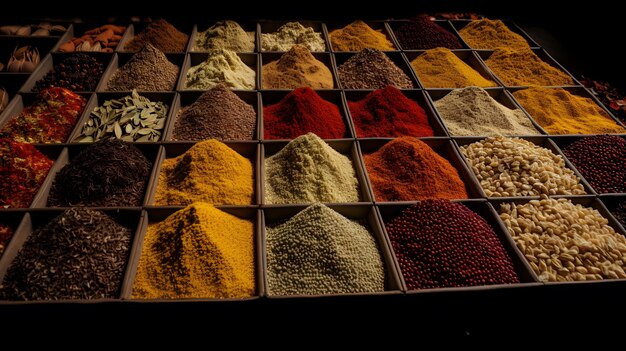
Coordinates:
(424,34)
(442,244)
(388,113)
(300,112)
(601,160)
(22,171)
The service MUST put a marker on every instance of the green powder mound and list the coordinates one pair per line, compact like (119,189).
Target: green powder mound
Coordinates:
(319,251)
(308,170)
(221,66)
(225,35)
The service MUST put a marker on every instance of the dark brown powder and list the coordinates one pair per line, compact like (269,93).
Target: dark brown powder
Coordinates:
(217,114)
(372,69)
(162,35)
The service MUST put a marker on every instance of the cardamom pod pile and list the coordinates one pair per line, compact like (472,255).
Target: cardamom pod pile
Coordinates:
(131,118)
(23,59)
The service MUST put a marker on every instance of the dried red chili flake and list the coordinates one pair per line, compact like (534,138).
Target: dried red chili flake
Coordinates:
(611,97)
(22,171)
(49,120)
(6,232)
(442,244)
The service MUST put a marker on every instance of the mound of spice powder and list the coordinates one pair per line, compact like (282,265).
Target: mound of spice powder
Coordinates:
(309,170)
(422,34)
(319,251)
(297,68)
(558,111)
(209,172)
(162,35)
(372,69)
(290,34)
(300,112)
(81,254)
(225,35)
(358,36)
(491,34)
(147,70)
(522,67)
(6,232)
(23,170)
(218,113)
(441,68)
(442,244)
(472,111)
(78,72)
(197,252)
(407,169)
(108,173)
(388,113)
(600,160)
(221,67)
(50,119)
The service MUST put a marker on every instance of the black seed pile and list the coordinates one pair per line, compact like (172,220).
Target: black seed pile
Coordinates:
(372,69)
(81,254)
(107,173)
(78,72)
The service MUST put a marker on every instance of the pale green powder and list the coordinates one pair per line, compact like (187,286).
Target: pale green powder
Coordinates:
(291,34)
(225,35)
(221,66)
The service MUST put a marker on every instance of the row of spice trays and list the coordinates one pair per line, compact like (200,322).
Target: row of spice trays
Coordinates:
(262,99)
(373,217)
(113,62)
(257,154)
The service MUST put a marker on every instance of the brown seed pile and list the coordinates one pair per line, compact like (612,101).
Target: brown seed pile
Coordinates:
(217,114)
(147,70)
(81,254)
(160,34)
(372,69)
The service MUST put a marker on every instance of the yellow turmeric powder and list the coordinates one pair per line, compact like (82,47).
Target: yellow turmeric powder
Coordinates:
(522,67)
(197,252)
(211,172)
(357,36)
(559,112)
(491,34)
(441,68)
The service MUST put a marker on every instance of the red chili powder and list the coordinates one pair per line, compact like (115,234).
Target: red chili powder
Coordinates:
(407,169)
(22,171)
(442,244)
(300,112)
(388,113)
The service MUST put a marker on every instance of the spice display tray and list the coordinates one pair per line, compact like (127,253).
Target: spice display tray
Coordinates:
(120,59)
(363,213)
(155,215)
(467,56)
(249,150)
(196,58)
(137,28)
(445,24)
(78,29)
(375,25)
(248,26)
(271,97)
(268,27)
(443,147)
(71,151)
(416,95)
(484,209)
(188,97)
(574,90)
(47,64)
(537,140)
(345,147)
(168,98)
(541,53)
(395,56)
(21,101)
(130,218)
(459,24)
(586,201)
(499,94)
(323,57)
